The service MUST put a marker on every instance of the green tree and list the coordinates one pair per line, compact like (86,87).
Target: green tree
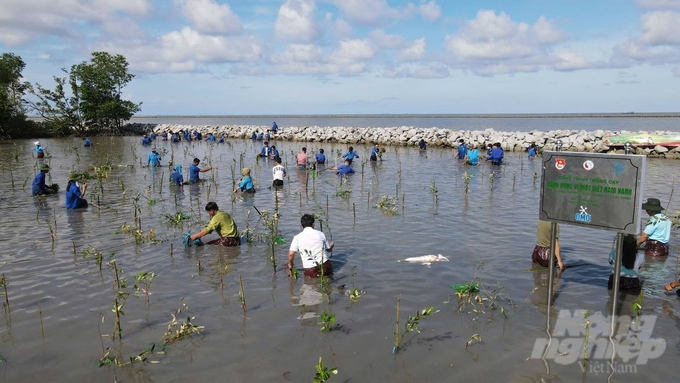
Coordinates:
(12,91)
(94,103)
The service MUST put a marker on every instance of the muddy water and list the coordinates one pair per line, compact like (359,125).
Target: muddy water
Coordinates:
(487,235)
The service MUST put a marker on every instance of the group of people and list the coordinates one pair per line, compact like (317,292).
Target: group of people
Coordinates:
(311,244)
(177,179)
(75,192)
(654,237)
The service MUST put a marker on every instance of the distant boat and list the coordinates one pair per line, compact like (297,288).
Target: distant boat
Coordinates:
(643,139)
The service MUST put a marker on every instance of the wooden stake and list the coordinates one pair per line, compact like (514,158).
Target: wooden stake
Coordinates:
(243,296)
(42,331)
(396,331)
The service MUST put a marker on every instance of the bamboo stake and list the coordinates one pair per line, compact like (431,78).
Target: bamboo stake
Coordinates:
(396,330)
(42,331)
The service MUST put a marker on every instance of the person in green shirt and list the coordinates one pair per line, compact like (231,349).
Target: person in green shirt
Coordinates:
(541,254)
(223,224)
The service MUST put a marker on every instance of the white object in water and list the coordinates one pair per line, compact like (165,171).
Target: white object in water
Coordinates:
(427,259)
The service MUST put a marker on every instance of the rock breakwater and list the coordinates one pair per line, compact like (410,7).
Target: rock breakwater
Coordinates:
(572,140)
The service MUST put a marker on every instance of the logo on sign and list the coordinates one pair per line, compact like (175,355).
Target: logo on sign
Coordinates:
(588,165)
(619,167)
(582,215)
(560,163)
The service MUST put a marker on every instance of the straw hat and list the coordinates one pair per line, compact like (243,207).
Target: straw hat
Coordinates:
(44,167)
(245,172)
(652,204)
(36,143)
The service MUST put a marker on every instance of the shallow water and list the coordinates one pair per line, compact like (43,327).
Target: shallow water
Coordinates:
(278,339)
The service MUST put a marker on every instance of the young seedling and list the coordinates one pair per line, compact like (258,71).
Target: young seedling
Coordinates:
(637,305)
(474,338)
(3,283)
(323,373)
(241,294)
(466,178)
(146,278)
(387,205)
(180,329)
(327,321)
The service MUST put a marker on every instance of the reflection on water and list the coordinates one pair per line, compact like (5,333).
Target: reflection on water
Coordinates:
(278,337)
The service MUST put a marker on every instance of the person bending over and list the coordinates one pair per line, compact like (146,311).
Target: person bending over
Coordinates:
(221,222)
(541,254)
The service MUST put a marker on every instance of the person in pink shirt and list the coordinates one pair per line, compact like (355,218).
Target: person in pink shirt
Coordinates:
(302,159)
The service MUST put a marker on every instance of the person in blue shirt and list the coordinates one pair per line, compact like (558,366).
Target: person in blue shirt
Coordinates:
(164,136)
(154,158)
(176,177)
(253,136)
(496,156)
(39,150)
(87,142)
(220,140)
(194,170)
(197,135)
(267,136)
(462,149)
(274,152)
(265,152)
(152,136)
(39,187)
(146,140)
(350,155)
(74,195)
(320,157)
(275,127)
(488,149)
(533,149)
(187,136)
(175,137)
(375,152)
(211,137)
(260,136)
(345,169)
(422,145)
(472,156)
(657,232)
(246,184)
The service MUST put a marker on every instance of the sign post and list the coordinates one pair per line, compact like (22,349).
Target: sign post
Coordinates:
(602,191)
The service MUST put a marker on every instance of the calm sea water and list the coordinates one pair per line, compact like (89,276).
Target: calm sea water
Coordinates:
(469,122)
(488,235)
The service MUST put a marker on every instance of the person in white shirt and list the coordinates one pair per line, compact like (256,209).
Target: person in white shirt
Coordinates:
(278,172)
(312,246)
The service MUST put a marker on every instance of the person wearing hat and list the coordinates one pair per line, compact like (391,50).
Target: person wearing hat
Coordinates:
(74,194)
(658,229)
(154,158)
(221,222)
(39,150)
(176,177)
(39,187)
(87,142)
(246,184)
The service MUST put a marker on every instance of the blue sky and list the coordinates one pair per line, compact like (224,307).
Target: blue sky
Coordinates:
(364,56)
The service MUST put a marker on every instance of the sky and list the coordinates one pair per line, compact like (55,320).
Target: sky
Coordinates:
(279,57)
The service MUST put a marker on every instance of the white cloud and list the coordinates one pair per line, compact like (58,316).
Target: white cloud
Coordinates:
(386,41)
(659,3)
(546,32)
(373,12)
(433,71)
(339,28)
(413,52)
(302,53)
(658,43)
(350,51)
(430,12)
(295,22)
(660,28)
(65,18)
(207,16)
(493,44)
(187,44)
(570,61)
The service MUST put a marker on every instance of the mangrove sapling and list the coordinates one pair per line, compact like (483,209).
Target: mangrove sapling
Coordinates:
(466,178)
(3,284)
(637,305)
(411,324)
(176,219)
(387,205)
(241,294)
(323,373)
(354,294)
(91,250)
(146,278)
(474,338)
(180,329)
(327,321)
